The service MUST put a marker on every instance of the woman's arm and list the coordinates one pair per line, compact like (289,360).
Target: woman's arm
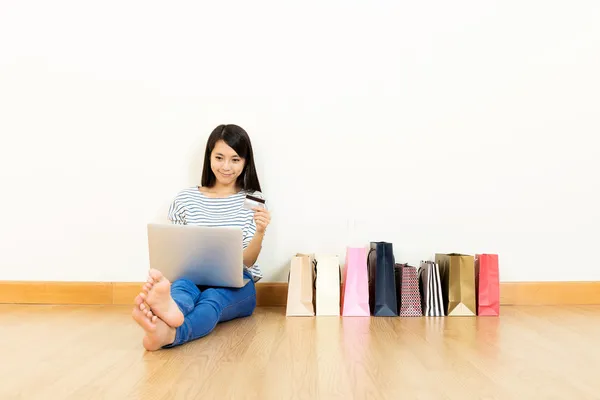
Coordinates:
(262,218)
(253,250)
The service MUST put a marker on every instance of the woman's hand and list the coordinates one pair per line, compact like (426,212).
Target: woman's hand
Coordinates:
(262,218)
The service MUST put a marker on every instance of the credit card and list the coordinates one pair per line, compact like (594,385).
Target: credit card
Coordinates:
(252,201)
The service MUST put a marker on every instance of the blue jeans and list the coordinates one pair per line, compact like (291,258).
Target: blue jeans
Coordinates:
(203,308)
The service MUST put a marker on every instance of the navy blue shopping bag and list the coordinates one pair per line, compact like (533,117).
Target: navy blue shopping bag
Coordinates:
(382,282)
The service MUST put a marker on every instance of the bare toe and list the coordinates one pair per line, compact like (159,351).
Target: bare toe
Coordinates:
(156,275)
(142,320)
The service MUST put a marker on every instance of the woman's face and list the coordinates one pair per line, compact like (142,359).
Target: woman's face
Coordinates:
(226,164)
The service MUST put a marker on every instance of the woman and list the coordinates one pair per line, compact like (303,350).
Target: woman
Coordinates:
(174,314)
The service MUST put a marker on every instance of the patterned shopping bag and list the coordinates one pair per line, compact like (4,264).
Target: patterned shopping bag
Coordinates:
(430,283)
(410,297)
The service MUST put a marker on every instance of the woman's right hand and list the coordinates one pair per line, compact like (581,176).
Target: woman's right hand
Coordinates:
(262,218)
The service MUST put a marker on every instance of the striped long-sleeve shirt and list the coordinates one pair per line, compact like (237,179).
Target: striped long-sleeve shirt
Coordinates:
(192,207)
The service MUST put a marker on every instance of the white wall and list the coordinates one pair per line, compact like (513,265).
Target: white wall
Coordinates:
(440,126)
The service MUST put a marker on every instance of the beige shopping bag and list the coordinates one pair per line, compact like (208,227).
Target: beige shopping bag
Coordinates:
(328,285)
(300,287)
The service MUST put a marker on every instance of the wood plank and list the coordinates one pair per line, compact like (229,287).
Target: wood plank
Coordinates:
(274,294)
(95,353)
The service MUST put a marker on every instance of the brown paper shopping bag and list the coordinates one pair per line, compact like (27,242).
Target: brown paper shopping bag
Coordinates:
(457,273)
(300,287)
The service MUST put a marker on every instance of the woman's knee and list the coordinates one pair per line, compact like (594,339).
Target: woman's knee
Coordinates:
(250,303)
(239,309)
(183,283)
(249,308)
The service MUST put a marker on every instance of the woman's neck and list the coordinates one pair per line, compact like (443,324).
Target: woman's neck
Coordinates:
(221,190)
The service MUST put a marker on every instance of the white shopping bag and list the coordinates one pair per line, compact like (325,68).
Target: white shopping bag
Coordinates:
(328,285)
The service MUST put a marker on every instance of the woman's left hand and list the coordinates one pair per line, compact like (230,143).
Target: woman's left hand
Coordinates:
(262,218)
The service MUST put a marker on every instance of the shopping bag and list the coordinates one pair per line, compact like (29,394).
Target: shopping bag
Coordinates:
(430,286)
(458,283)
(382,283)
(300,287)
(398,280)
(487,284)
(410,299)
(328,285)
(355,292)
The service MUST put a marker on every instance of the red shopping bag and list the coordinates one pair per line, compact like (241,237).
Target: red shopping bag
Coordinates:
(488,284)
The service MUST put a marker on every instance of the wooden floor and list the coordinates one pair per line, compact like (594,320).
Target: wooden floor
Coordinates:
(94,352)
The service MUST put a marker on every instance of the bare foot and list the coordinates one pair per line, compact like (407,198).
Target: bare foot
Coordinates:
(158,333)
(157,294)
(148,285)
(144,308)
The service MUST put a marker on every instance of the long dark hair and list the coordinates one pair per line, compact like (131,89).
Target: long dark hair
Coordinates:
(238,140)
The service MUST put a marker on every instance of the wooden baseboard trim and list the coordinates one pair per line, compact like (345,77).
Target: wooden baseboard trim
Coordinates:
(549,293)
(273,294)
(104,293)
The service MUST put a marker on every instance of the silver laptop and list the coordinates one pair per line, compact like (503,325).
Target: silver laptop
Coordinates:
(208,256)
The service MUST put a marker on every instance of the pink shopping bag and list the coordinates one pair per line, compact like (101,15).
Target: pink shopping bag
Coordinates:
(355,293)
